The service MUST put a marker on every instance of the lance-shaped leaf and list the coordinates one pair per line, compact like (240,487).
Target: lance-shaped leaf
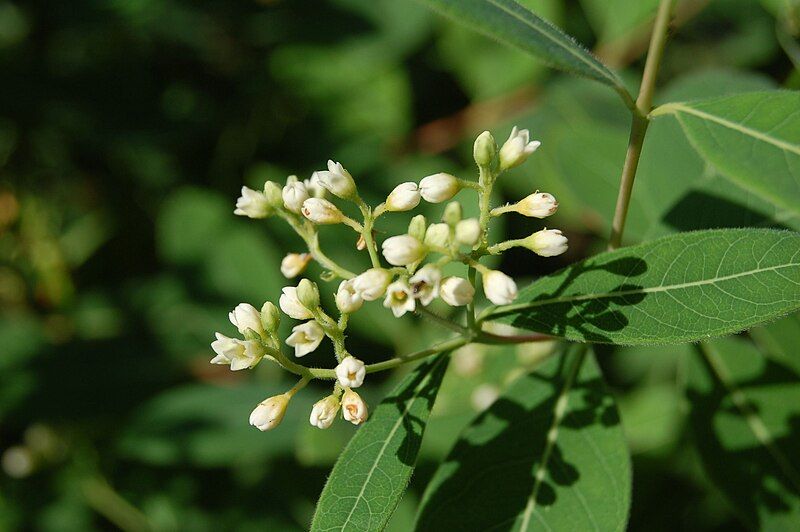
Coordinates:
(511,23)
(747,430)
(373,471)
(753,138)
(549,454)
(676,289)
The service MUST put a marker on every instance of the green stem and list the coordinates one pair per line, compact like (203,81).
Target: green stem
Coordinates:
(471,276)
(485,180)
(640,121)
(369,221)
(311,238)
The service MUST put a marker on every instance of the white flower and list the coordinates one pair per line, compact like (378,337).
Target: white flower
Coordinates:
(456,291)
(294,194)
(425,283)
(372,284)
(321,211)
(324,411)
(404,197)
(401,250)
(252,203)
(337,180)
(547,242)
(399,298)
(438,235)
(354,409)
(245,316)
(305,338)
(291,306)
(499,287)
(269,412)
(240,354)
(293,264)
(350,372)
(468,231)
(348,300)
(517,148)
(314,187)
(439,187)
(536,205)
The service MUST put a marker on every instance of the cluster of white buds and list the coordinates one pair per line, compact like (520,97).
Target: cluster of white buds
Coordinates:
(412,278)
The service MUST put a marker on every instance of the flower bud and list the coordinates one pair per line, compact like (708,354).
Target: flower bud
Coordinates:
(348,300)
(439,187)
(452,213)
(308,294)
(270,317)
(324,412)
(294,194)
(468,232)
(517,148)
(499,288)
(293,264)
(372,284)
(239,354)
(354,409)
(273,194)
(269,412)
(401,250)
(416,227)
(547,242)
(537,205)
(291,306)
(438,235)
(305,338)
(244,317)
(252,204)
(314,186)
(337,181)
(484,149)
(456,291)
(425,283)
(321,211)
(399,298)
(404,197)
(350,372)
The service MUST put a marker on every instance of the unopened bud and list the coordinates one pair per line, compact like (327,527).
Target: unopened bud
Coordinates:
(468,232)
(517,148)
(439,187)
(484,149)
(372,284)
(252,204)
(273,194)
(354,409)
(452,213)
(293,264)
(438,235)
(337,181)
(321,211)
(456,291)
(348,299)
(537,205)
(324,411)
(416,227)
(499,288)
(244,317)
(547,242)
(308,294)
(269,412)
(294,194)
(270,317)
(404,197)
(291,305)
(402,250)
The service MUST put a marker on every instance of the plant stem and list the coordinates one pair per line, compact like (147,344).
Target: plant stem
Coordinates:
(485,181)
(639,121)
(471,276)
(366,233)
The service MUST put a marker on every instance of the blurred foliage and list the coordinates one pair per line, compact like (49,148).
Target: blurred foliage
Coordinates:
(127,128)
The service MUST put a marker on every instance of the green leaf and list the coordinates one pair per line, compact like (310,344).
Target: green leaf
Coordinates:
(747,431)
(549,454)
(373,471)
(753,138)
(511,23)
(679,288)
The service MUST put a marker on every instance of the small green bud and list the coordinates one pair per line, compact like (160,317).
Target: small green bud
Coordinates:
(417,227)
(272,192)
(270,318)
(308,294)
(485,149)
(452,213)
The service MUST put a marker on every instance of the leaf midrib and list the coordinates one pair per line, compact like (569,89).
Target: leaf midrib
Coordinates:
(649,290)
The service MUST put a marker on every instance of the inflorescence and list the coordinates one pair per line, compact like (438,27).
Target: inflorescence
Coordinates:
(410,283)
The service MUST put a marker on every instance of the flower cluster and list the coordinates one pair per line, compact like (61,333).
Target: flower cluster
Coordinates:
(411,280)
